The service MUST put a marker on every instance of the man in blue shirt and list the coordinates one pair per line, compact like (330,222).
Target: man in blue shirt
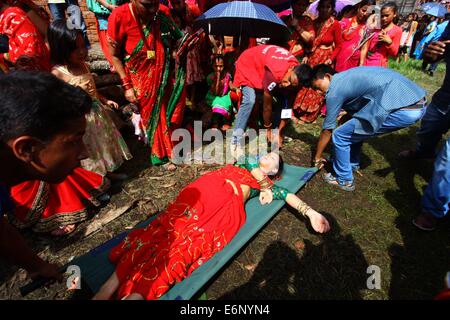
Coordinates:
(42,123)
(435,123)
(378,99)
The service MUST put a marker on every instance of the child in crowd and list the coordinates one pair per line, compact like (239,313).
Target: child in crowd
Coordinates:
(409,27)
(184,15)
(218,96)
(105,146)
(385,42)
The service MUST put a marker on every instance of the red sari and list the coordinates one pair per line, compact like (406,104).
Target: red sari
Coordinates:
(202,220)
(44,207)
(352,34)
(379,52)
(326,45)
(159,89)
(297,46)
(25,41)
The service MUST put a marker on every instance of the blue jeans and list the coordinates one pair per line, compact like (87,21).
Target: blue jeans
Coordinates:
(58,12)
(436,198)
(245,110)
(435,123)
(347,143)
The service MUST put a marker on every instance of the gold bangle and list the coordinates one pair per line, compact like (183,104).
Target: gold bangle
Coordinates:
(303,208)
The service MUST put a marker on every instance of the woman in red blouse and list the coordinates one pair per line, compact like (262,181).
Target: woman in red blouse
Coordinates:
(26,43)
(325,47)
(385,42)
(302,29)
(353,33)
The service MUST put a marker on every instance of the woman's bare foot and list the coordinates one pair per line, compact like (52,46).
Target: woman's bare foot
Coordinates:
(63,230)
(108,288)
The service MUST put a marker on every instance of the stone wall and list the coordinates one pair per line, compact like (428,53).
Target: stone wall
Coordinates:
(89,17)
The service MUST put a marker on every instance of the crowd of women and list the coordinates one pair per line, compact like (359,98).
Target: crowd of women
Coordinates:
(170,74)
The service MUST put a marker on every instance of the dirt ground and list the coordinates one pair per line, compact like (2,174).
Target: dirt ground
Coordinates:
(286,259)
(150,189)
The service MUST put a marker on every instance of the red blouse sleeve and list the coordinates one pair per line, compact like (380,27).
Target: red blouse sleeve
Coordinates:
(308,25)
(337,34)
(115,34)
(392,49)
(22,33)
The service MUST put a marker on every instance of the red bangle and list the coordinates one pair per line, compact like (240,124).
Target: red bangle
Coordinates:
(126,80)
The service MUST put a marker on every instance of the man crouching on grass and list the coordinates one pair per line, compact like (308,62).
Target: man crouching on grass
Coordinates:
(378,100)
(42,123)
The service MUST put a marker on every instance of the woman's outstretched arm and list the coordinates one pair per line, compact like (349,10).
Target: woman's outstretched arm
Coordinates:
(318,221)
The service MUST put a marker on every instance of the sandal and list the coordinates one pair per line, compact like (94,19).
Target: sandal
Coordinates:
(346,186)
(425,222)
(63,230)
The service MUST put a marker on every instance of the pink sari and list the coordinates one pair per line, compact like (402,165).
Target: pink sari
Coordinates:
(348,56)
(379,52)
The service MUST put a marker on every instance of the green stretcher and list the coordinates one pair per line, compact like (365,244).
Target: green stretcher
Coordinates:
(96,268)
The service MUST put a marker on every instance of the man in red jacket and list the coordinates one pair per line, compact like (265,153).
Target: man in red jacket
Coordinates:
(263,68)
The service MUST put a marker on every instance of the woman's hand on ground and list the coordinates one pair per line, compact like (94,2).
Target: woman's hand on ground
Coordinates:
(318,222)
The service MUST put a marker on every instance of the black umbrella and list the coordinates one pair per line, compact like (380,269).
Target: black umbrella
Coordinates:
(242,18)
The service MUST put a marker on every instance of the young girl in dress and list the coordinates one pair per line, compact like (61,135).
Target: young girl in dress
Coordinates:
(218,97)
(385,42)
(105,146)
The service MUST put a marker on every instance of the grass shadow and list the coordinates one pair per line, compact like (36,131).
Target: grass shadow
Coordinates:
(333,269)
(419,264)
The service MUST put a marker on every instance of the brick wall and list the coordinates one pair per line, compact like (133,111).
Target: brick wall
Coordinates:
(89,17)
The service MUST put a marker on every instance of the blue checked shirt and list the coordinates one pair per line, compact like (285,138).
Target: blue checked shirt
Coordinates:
(369,94)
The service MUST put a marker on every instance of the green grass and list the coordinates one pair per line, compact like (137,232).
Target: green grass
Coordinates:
(411,69)
(371,226)
(378,215)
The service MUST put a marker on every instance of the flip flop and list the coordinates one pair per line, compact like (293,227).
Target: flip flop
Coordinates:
(330,179)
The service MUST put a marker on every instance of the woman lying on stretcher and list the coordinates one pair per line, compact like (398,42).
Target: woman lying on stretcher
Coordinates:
(202,220)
